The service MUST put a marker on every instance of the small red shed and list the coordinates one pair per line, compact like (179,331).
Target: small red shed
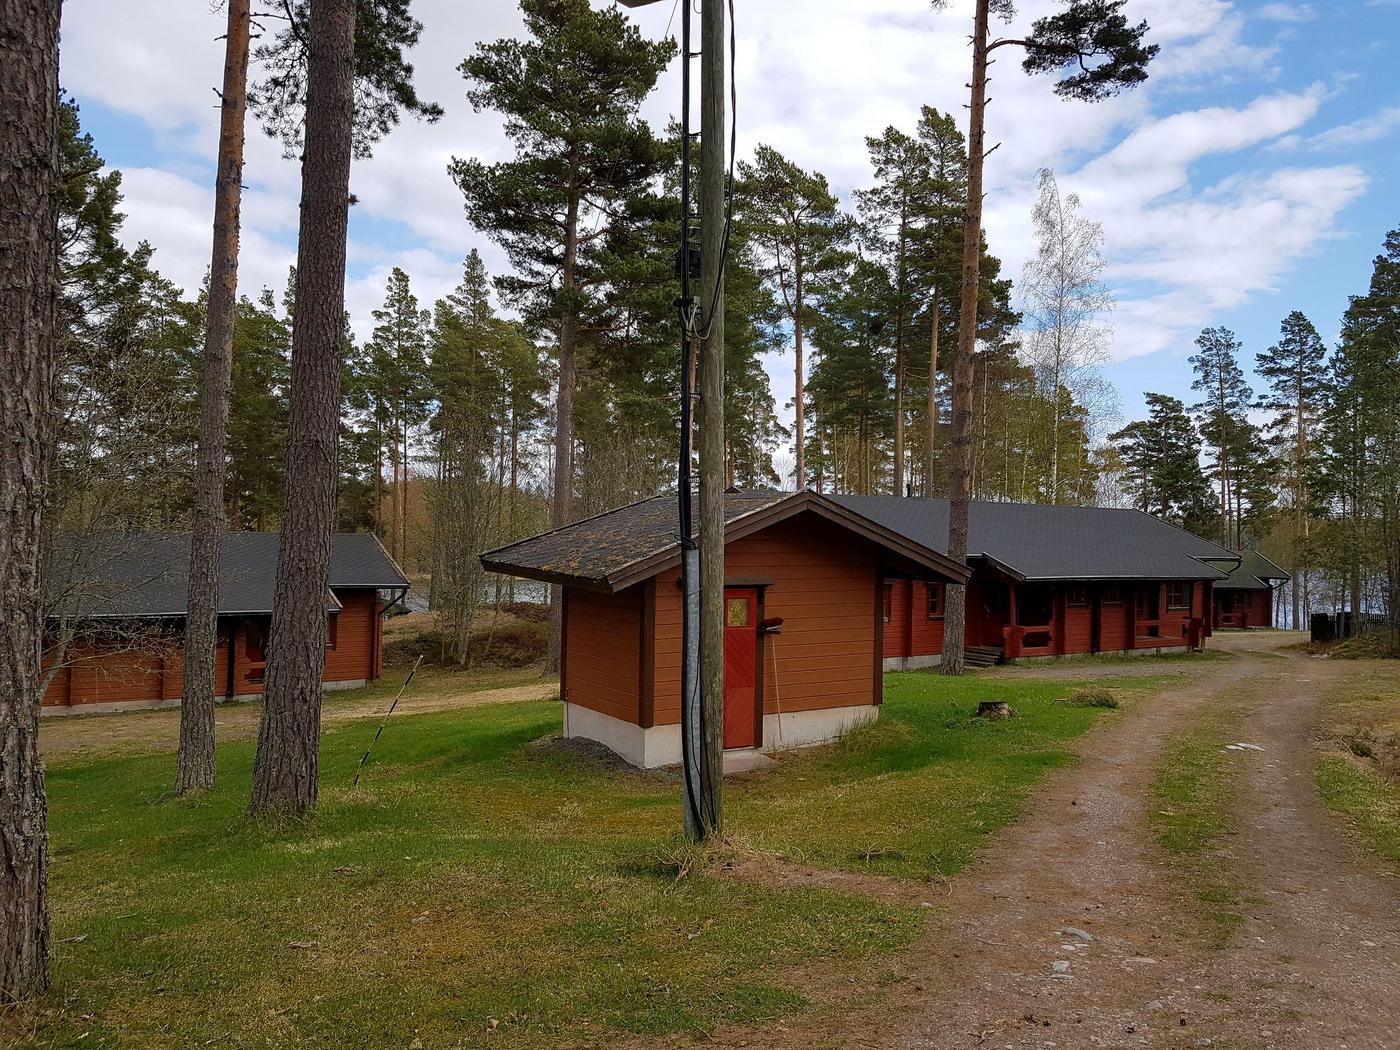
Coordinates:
(799,558)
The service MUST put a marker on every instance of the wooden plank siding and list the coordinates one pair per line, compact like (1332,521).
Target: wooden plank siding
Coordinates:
(118,674)
(824,588)
(603,651)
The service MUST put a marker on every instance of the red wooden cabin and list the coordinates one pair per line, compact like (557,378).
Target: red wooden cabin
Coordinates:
(119,608)
(804,647)
(1246,597)
(1051,581)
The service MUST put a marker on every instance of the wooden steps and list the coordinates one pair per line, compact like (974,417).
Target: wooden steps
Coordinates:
(982,655)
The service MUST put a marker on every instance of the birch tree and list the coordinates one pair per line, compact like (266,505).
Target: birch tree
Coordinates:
(1065,299)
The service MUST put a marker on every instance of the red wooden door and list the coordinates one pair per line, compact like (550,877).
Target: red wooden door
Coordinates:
(995,611)
(740,668)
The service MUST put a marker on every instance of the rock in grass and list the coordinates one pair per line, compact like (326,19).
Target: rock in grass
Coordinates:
(995,710)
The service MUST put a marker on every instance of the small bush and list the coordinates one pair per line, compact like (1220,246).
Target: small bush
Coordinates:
(533,612)
(1093,696)
(512,643)
(1369,645)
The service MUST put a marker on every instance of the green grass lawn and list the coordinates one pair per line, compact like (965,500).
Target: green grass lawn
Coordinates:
(1358,775)
(478,889)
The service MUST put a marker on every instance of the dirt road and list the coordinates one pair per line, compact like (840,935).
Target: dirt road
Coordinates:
(1074,930)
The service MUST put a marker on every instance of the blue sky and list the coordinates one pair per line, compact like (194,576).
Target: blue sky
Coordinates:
(1254,174)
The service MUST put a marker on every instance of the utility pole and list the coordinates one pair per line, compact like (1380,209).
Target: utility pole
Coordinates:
(702,330)
(712,459)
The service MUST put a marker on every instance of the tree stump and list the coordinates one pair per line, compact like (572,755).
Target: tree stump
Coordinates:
(995,710)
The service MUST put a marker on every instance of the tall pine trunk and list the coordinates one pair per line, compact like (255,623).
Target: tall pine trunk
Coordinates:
(29,185)
(798,422)
(931,438)
(195,764)
(564,428)
(286,769)
(955,615)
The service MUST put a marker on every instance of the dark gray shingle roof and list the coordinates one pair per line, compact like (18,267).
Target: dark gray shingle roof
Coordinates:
(145,574)
(605,544)
(1253,573)
(1056,543)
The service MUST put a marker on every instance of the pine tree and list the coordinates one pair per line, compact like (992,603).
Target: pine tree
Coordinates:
(569,95)
(1098,53)
(1226,398)
(258,409)
(799,238)
(1362,432)
(398,388)
(894,212)
(29,170)
(195,761)
(1162,458)
(1295,369)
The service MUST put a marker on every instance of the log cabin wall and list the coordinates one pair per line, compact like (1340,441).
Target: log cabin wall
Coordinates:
(602,648)
(824,589)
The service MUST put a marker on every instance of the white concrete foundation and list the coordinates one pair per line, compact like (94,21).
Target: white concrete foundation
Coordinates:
(912,663)
(661,745)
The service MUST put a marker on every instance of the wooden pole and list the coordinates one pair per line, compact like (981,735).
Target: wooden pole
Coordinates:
(712,238)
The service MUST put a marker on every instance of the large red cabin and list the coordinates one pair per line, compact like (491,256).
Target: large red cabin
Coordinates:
(1051,581)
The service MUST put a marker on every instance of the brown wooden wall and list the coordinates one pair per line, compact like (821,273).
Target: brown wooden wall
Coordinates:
(824,589)
(97,674)
(911,631)
(601,667)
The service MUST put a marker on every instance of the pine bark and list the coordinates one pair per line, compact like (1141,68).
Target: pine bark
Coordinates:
(931,438)
(195,763)
(286,769)
(798,427)
(564,426)
(955,614)
(29,186)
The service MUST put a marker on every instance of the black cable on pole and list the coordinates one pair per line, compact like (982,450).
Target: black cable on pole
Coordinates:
(686,305)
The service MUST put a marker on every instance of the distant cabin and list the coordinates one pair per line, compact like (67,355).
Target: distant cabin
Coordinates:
(826,593)
(1246,597)
(116,627)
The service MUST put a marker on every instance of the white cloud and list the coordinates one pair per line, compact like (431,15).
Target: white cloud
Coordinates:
(814,78)
(1287,12)
(1373,128)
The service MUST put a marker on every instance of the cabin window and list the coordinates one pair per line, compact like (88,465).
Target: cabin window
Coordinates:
(736,612)
(1178,596)
(889,602)
(935,601)
(1113,595)
(255,645)
(332,623)
(1077,597)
